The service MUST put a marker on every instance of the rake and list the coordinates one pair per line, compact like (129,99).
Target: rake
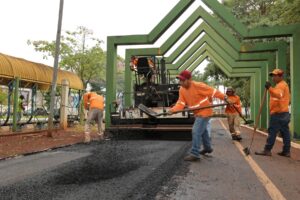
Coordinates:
(154,114)
(247,149)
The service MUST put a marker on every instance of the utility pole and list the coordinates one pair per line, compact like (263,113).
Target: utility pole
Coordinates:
(54,79)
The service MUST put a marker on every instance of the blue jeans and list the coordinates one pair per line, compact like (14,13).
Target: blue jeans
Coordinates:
(279,122)
(209,128)
(200,136)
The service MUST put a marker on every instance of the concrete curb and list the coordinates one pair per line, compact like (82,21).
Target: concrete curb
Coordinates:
(39,151)
(293,144)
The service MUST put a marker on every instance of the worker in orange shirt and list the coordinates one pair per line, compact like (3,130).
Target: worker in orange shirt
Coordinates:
(194,94)
(233,116)
(279,114)
(94,103)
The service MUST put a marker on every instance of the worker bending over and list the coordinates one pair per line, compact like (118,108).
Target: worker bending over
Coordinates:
(94,103)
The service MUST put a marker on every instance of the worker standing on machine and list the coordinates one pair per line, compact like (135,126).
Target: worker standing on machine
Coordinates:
(196,94)
(233,114)
(94,103)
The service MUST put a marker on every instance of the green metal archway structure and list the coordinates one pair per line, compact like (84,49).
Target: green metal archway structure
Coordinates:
(247,58)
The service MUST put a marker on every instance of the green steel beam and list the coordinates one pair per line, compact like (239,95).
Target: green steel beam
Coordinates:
(259,32)
(238,28)
(169,19)
(295,85)
(197,32)
(114,41)
(266,32)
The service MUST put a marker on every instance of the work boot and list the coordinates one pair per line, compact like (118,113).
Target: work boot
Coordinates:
(238,138)
(204,151)
(285,154)
(191,158)
(233,137)
(263,153)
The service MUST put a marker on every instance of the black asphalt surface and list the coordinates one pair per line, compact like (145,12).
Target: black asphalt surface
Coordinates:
(151,169)
(111,170)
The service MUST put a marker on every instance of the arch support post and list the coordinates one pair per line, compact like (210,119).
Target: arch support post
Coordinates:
(16,104)
(295,82)
(64,104)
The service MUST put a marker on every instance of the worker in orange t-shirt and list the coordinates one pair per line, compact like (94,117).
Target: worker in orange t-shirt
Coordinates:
(233,116)
(279,114)
(94,103)
(194,94)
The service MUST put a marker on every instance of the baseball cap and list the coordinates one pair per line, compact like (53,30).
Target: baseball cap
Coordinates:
(184,75)
(230,89)
(278,72)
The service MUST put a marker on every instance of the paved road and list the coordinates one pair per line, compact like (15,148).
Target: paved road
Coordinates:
(228,174)
(102,170)
(153,169)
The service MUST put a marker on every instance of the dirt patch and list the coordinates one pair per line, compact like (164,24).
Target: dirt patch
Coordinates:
(19,144)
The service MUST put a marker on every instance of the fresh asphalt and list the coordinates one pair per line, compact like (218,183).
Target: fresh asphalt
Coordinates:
(101,170)
(148,169)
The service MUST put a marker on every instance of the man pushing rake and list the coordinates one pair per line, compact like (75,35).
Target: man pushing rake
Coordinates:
(196,94)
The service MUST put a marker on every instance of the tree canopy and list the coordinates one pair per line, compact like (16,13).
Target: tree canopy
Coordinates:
(81,53)
(265,12)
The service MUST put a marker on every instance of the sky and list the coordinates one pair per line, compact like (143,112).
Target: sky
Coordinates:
(23,20)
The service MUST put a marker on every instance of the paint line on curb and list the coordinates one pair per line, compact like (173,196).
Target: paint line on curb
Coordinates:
(272,190)
(293,144)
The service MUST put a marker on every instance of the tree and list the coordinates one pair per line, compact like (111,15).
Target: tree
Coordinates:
(80,53)
(214,75)
(255,13)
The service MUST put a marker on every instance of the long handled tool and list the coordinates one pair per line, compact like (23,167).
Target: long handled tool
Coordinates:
(240,114)
(154,114)
(247,149)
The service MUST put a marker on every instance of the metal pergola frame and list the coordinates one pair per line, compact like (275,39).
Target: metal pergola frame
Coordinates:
(242,58)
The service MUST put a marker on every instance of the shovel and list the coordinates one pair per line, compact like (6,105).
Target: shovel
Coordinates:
(247,149)
(154,114)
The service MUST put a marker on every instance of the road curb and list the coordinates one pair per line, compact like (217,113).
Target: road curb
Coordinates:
(293,144)
(36,152)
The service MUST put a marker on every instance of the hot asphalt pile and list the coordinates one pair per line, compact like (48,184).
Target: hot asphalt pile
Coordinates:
(114,170)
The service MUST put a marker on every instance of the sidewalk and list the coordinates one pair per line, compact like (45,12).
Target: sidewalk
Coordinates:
(20,144)
(228,173)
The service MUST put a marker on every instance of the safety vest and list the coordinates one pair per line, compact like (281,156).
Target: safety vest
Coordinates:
(236,102)
(279,98)
(93,100)
(197,95)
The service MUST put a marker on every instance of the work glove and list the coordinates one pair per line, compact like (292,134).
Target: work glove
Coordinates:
(267,85)
(227,100)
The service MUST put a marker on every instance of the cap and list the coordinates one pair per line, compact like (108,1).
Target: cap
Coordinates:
(278,72)
(230,89)
(184,75)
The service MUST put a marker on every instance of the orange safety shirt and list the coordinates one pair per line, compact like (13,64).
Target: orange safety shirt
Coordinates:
(236,102)
(197,95)
(93,100)
(279,98)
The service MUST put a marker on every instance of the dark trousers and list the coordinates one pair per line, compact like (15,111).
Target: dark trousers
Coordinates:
(279,122)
